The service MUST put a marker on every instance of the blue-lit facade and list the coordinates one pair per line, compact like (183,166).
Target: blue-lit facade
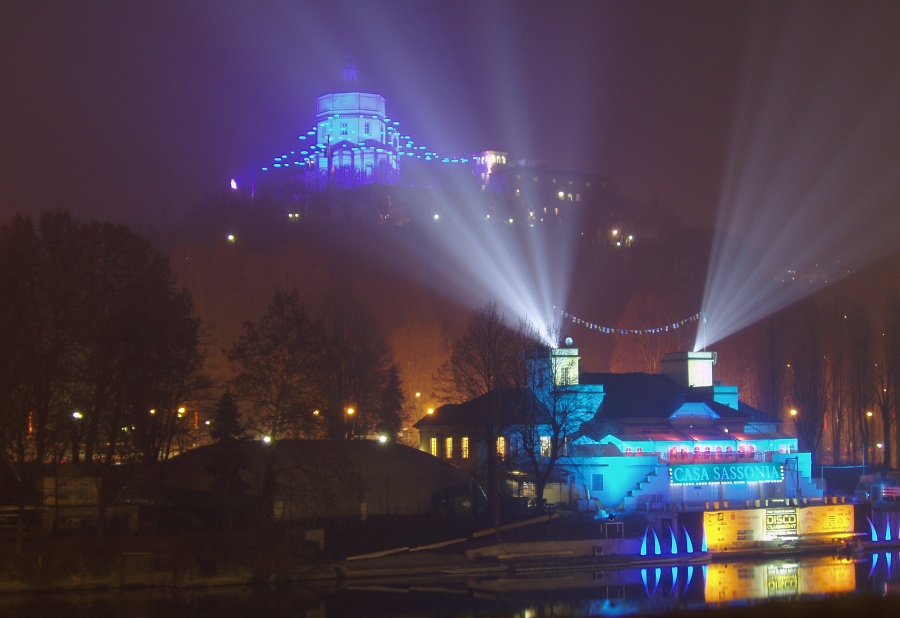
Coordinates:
(643,442)
(353,142)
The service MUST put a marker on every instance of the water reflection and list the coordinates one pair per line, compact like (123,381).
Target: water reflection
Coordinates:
(582,592)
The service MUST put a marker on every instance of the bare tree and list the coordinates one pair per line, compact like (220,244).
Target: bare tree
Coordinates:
(860,382)
(357,372)
(551,413)
(274,360)
(641,350)
(809,387)
(887,372)
(481,360)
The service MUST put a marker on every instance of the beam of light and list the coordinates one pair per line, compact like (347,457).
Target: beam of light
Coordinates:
(872,531)
(688,543)
(887,529)
(813,175)
(657,550)
(674,548)
(522,265)
(525,270)
(644,542)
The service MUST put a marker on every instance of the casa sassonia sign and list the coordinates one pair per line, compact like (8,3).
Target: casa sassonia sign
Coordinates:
(725,473)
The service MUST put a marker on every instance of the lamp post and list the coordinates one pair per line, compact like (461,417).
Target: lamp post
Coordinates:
(869,415)
(359,478)
(350,413)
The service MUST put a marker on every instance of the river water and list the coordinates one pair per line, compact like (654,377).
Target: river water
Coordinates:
(582,592)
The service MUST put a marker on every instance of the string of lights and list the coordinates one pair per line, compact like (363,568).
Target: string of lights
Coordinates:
(630,331)
(407,147)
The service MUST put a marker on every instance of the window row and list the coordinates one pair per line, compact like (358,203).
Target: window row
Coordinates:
(448,443)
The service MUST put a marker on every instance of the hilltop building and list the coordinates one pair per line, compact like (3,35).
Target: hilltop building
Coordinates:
(632,442)
(354,143)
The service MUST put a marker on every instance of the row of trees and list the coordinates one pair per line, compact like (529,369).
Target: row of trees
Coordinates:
(332,378)
(103,359)
(836,365)
(100,348)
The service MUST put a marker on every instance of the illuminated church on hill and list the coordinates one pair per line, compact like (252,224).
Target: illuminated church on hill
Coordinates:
(355,143)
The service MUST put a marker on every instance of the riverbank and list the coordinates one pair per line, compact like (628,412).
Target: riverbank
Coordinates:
(193,560)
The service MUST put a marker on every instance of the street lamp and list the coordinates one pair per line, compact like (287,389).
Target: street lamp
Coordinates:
(350,413)
(869,432)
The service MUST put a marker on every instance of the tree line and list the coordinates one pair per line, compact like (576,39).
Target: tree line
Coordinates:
(103,359)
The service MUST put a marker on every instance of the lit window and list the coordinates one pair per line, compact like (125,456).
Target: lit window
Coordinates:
(545,446)
(501,447)
(561,195)
(433,445)
(448,448)
(596,482)
(464,447)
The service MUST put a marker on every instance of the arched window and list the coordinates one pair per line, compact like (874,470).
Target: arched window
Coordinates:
(728,449)
(628,450)
(718,451)
(706,452)
(638,450)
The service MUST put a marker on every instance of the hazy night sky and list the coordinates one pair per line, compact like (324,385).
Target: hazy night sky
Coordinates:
(135,107)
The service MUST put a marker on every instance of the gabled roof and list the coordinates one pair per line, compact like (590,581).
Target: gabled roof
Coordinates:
(648,396)
(505,405)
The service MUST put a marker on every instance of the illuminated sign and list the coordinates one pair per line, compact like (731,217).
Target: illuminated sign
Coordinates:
(732,529)
(725,473)
(781,522)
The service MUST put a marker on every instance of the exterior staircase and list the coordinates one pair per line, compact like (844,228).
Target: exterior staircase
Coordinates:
(650,493)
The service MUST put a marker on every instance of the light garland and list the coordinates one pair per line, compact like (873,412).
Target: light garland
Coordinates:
(407,147)
(631,331)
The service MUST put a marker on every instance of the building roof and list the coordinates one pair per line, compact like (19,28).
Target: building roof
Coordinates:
(503,405)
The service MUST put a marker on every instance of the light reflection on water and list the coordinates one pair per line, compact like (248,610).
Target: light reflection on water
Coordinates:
(582,592)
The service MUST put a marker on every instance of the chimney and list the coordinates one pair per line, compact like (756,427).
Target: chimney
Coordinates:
(689,369)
